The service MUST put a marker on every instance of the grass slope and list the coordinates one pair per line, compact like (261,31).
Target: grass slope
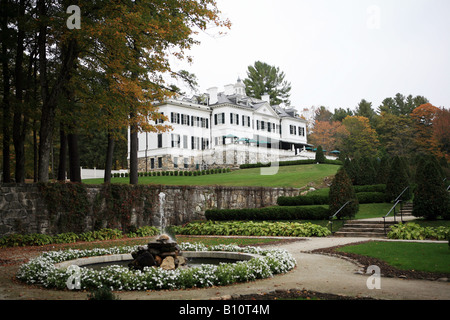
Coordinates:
(287,176)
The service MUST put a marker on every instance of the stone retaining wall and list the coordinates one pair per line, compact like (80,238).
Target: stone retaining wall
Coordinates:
(23,208)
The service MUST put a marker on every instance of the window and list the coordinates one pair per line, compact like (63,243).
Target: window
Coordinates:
(176,143)
(186,163)
(301,131)
(248,121)
(160,162)
(152,163)
(231,118)
(219,118)
(160,121)
(185,142)
(262,125)
(175,162)
(257,124)
(160,142)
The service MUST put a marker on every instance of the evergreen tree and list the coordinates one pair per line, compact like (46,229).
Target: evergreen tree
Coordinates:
(266,79)
(320,157)
(431,199)
(397,181)
(383,171)
(366,172)
(352,168)
(341,191)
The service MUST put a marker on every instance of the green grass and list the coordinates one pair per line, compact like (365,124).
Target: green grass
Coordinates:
(287,176)
(373,210)
(429,257)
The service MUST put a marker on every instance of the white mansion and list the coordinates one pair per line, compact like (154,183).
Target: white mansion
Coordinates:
(222,129)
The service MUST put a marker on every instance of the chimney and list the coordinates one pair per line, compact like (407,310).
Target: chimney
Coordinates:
(229,89)
(213,95)
(266,97)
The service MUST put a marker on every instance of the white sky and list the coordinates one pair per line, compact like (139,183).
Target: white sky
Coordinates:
(334,52)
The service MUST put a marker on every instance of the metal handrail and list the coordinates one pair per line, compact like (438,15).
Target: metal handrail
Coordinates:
(401,194)
(396,202)
(334,215)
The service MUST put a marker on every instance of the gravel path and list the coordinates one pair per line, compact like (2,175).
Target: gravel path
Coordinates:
(314,272)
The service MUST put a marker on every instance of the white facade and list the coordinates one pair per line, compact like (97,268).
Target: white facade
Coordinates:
(225,130)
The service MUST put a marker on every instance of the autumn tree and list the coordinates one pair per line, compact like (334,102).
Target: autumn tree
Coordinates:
(425,140)
(324,134)
(441,127)
(357,138)
(263,78)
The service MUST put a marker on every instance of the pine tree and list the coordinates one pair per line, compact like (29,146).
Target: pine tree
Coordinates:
(320,157)
(366,172)
(397,181)
(383,171)
(431,200)
(341,191)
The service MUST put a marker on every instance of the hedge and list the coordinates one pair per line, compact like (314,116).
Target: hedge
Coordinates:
(303,200)
(371,197)
(270,213)
(288,163)
(370,188)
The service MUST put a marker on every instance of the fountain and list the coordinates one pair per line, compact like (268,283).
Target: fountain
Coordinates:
(162,218)
(163,252)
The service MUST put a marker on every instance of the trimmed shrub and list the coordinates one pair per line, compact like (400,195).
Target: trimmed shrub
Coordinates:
(370,188)
(303,200)
(371,197)
(341,191)
(270,213)
(320,157)
(431,200)
(397,181)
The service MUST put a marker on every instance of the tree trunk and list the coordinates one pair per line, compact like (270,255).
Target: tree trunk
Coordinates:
(62,155)
(109,158)
(133,153)
(19,125)
(6,91)
(74,158)
(50,98)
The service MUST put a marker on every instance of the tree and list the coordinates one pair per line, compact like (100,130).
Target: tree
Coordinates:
(441,132)
(401,105)
(340,114)
(320,157)
(342,191)
(396,134)
(431,200)
(325,134)
(383,171)
(364,109)
(366,173)
(357,138)
(425,138)
(263,78)
(322,114)
(397,181)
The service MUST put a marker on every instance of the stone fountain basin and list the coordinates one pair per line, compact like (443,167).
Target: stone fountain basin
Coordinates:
(219,255)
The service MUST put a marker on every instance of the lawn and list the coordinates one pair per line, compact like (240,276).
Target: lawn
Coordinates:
(429,257)
(287,176)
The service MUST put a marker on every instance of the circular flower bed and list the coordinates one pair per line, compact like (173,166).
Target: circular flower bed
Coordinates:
(42,270)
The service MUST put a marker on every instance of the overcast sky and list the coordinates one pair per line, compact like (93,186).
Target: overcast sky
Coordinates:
(334,52)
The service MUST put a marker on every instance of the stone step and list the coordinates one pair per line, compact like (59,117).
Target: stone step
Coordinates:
(360,234)
(370,222)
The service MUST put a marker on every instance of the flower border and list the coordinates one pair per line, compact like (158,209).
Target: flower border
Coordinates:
(42,270)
